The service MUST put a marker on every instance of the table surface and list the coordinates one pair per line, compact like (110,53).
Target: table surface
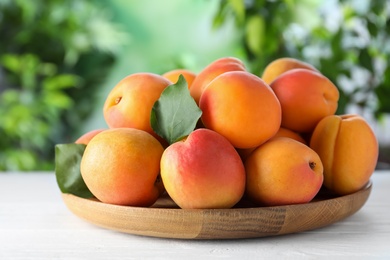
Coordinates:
(35,224)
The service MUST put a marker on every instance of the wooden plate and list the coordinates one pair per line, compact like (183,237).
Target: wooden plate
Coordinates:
(164,219)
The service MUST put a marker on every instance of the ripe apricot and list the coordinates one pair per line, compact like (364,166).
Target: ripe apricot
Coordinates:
(284,132)
(283,171)
(241,107)
(211,71)
(348,149)
(85,138)
(281,65)
(203,171)
(122,165)
(305,97)
(130,102)
(173,76)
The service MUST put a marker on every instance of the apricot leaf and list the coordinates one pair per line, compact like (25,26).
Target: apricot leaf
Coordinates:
(175,114)
(67,169)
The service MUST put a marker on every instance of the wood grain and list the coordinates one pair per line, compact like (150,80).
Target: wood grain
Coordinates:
(164,219)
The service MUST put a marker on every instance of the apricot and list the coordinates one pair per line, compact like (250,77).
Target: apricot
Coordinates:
(173,76)
(348,150)
(211,71)
(242,108)
(130,102)
(284,132)
(203,171)
(86,137)
(283,171)
(121,166)
(305,97)
(281,65)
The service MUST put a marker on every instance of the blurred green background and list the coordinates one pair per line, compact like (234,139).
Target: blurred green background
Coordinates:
(60,58)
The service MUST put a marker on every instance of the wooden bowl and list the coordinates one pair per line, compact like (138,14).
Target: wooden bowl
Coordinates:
(165,219)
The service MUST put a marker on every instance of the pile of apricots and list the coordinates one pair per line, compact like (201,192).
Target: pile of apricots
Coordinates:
(273,139)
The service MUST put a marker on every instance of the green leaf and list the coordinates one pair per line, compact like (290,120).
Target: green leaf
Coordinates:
(175,114)
(67,169)
(11,62)
(57,99)
(221,15)
(255,30)
(61,81)
(365,59)
(238,7)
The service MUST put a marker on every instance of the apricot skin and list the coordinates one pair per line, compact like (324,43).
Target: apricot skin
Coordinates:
(121,166)
(203,171)
(130,102)
(281,65)
(305,97)
(85,138)
(283,171)
(348,149)
(242,108)
(211,71)
(282,132)
(173,76)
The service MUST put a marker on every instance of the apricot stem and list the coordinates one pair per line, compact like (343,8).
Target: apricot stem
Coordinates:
(117,100)
(312,165)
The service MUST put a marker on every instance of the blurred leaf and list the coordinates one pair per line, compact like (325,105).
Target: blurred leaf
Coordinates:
(113,38)
(372,28)
(321,33)
(47,69)
(18,160)
(61,81)
(238,8)
(15,115)
(175,114)
(11,62)
(383,93)
(218,19)
(48,47)
(255,33)
(348,12)
(57,99)
(9,97)
(387,26)
(365,59)
(67,169)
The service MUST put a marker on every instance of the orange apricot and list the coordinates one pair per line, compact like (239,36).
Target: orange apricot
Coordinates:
(283,171)
(203,171)
(348,150)
(242,108)
(305,97)
(281,65)
(86,137)
(284,132)
(130,102)
(122,165)
(211,71)
(173,76)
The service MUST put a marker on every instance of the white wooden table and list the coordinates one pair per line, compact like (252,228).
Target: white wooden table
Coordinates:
(35,224)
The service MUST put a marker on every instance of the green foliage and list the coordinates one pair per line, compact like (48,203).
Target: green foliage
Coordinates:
(53,56)
(67,168)
(175,114)
(261,23)
(30,112)
(346,40)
